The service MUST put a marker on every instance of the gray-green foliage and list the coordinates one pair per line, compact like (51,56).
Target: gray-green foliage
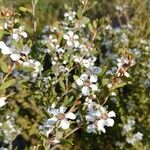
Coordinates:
(118,30)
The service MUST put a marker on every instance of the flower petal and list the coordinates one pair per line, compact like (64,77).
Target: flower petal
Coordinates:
(126,74)
(84,77)
(90,128)
(111,114)
(70,115)
(50,129)
(66,37)
(76,44)
(76,36)
(85,91)
(93,78)
(15,36)
(62,109)
(5,49)
(109,122)
(70,33)
(94,87)
(52,121)
(55,141)
(89,118)
(100,125)
(24,34)
(15,57)
(69,43)
(64,124)
(79,82)
(2,101)
(53,111)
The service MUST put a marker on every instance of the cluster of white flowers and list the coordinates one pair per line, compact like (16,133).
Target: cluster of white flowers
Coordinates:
(135,138)
(18,33)
(36,65)
(85,62)
(70,15)
(123,64)
(128,132)
(14,53)
(8,128)
(71,39)
(129,126)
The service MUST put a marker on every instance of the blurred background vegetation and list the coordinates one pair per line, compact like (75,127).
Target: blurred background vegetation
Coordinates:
(49,12)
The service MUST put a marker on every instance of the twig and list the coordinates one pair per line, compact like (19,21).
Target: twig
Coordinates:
(56,146)
(12,68)
(34,18)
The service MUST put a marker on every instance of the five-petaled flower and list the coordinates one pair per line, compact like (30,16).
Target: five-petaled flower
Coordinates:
(72,39)
(87,83)
(61,116)
(99,118)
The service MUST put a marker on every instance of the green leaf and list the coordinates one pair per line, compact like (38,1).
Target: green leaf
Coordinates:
(1,33)
(7,84)
(4,67)
(95,24)
(23,9)
(91,27)
(26,69)
(59,134)
(71,98)
(79,13)
(105,81)
(103,70)
(75,77)
(61,83)
(119,85)
(67,101)
(92,4)
(85,20)
(36,2)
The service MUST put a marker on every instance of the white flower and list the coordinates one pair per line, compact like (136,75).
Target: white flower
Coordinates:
(72,39)
(99,118)
(59,49)
(18,33)
(89,101)
(4,49)
(26,50)
(125,61)
(89,62)
(2,101)
(36,65)
(70,15)
(60,115)
(106,120)
(87,83)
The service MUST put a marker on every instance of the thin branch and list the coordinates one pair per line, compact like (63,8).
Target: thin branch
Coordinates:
(12,68)
(56,146)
